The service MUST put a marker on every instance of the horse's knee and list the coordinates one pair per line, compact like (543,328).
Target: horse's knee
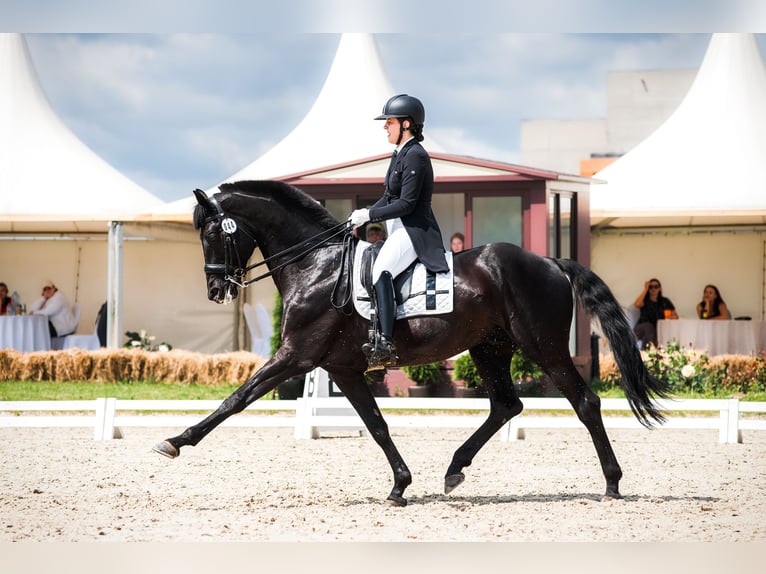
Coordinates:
(589,407)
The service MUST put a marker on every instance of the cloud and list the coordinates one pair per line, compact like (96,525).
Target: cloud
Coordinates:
(199,107)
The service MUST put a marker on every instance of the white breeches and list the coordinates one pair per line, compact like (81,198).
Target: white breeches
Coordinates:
(397,252)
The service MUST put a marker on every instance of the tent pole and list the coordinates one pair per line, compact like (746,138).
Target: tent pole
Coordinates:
(114,285)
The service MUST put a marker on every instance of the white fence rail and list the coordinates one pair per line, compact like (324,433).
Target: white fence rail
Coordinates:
(311,416)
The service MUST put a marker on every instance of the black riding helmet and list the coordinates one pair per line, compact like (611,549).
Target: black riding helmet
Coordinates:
(403,106)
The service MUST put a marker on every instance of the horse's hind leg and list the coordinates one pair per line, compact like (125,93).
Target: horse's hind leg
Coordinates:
(493,365)
(587,406)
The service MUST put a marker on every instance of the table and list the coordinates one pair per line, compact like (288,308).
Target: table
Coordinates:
(25,333)
(716,337)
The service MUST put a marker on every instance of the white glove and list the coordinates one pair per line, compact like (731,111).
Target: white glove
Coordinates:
(359,217)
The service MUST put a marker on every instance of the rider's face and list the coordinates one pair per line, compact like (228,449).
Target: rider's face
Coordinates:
(392,127)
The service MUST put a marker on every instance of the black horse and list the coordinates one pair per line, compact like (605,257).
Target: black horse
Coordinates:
(506,298)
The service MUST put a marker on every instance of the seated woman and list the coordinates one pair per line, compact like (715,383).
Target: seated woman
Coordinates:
(712,305)
(652,306)
(6,303)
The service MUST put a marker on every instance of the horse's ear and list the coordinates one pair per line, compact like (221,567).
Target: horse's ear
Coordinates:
(204,200)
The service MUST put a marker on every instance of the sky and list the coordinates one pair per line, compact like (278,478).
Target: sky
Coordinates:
(176,111)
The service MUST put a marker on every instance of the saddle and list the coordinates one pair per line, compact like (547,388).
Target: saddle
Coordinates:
(417,291)
(402,282)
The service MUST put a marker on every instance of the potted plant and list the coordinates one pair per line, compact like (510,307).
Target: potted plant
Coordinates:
(526,375)
(425,378)
(465,370)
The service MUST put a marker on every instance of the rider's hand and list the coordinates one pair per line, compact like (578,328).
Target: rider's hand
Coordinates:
(359,217)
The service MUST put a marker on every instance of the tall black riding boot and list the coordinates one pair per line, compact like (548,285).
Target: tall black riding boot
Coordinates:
(380,352)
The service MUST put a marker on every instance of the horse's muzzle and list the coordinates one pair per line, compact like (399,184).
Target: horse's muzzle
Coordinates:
(221,291)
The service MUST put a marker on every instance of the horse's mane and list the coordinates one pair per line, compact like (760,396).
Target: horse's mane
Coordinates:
(292,198)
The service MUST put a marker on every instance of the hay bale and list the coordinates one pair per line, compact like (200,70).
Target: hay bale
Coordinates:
(11,363)
(116,365)
(73,365)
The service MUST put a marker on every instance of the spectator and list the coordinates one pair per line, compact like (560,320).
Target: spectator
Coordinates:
(457,242)
(6,302)
(375,232)
(652,306)
(712,305)
(53,304)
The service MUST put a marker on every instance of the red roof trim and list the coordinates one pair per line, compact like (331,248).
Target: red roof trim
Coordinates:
(529,172)
(522,169)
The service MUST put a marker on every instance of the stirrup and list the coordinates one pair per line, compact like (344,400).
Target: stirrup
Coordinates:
(380,353)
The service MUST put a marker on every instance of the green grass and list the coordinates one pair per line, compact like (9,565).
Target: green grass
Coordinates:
(147,390)
(76,391)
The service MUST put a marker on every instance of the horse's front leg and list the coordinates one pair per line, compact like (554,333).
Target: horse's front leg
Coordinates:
(358,392)
(278,369)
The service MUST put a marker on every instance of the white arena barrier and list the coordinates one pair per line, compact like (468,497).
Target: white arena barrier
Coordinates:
(312,416)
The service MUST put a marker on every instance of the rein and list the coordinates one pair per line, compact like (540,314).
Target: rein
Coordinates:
(236,273)
(333,231)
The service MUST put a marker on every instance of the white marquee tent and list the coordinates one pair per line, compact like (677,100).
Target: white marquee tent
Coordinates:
(688,204)
(57,196)
(46,172)
(339,127)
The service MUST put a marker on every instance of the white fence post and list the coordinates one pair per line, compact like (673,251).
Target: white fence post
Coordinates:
(98,430)
(512,430)
(303,413)
(733,434)
(106,409)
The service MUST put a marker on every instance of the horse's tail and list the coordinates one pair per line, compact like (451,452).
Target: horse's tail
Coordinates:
(639,385)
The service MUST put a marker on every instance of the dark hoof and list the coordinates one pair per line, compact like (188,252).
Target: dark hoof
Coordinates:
(396,501)
(453,481)
(611,496)
(166,449)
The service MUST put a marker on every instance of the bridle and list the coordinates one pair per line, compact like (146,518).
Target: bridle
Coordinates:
(235,271)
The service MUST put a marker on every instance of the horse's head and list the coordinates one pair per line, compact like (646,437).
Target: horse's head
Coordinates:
(225,246)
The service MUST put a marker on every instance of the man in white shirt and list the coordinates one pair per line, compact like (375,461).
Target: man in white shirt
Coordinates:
(55,306)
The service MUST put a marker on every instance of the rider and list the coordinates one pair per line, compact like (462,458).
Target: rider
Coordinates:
(413,232)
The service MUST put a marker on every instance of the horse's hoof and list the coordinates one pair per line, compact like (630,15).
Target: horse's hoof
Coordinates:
(396,501)
(611,496)
(453,481)
(166,449)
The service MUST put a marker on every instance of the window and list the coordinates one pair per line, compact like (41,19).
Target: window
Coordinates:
(500,220)
(561,209)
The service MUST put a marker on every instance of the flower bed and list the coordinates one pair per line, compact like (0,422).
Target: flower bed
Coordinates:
(690,370)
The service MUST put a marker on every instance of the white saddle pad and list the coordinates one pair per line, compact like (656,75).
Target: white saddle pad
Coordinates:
(434,299)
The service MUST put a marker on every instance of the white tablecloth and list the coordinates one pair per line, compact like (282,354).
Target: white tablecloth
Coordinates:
(25,333)
(716,337)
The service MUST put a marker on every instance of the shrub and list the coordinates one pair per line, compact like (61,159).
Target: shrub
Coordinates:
(465,370)
(523,368)
(276,323)
(692,371)
(424,374)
